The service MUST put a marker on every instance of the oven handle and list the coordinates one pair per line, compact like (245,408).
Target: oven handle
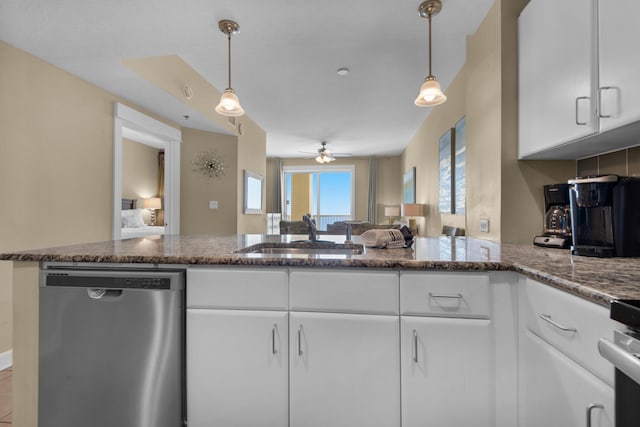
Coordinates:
(621,359)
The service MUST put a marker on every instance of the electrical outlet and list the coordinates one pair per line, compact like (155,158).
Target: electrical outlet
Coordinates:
(213,204)
(484,225)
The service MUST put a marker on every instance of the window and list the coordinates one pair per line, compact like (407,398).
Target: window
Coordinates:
(327,192)
(452,147)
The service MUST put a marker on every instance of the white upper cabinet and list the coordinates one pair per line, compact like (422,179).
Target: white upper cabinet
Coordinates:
(619,62)
(557,73)
(578,90)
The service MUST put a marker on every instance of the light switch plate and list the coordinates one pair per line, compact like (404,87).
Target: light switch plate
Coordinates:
(213,204)
(484,225)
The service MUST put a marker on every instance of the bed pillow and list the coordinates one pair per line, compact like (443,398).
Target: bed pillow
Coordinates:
(132,218)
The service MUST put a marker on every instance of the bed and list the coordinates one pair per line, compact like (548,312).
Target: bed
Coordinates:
(132,224)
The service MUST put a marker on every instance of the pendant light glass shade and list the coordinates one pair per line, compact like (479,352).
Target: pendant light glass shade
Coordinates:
(430,93)
(229,104)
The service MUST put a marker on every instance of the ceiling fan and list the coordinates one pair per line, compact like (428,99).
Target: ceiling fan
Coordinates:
(326,155)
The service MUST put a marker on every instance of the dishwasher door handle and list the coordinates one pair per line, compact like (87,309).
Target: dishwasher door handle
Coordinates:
(620,358)
(99,293)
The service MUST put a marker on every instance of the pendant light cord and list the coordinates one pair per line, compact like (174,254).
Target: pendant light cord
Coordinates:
(229,57)
(429,42)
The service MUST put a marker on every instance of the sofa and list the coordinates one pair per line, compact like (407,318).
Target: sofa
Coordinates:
(357,227)
(338,227)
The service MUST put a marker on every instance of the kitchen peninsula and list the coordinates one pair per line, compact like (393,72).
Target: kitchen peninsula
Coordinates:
(475,289)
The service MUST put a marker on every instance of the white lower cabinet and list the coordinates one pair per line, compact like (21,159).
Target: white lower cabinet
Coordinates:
(344,370)
(446,372)
(556,391)
(237,368)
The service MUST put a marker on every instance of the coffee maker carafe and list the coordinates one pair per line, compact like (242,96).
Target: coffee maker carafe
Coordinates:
(605,216)
(557,220)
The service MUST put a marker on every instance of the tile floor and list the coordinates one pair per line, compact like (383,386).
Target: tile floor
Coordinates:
(6,401)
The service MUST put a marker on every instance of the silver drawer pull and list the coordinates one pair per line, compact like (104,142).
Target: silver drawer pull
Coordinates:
(590,408)
(415,346)
(457,296)
(274,330)
(547,318)
(300,340)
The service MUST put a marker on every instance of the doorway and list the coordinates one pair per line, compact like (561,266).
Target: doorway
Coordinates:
(327,192)
(138,127)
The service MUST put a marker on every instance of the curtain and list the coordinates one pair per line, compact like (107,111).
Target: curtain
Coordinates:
(277,186)
(372,214)
(160,212)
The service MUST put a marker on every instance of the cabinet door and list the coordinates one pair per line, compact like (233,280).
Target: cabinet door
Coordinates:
(556,391)
(557,73)
(237,368)
(345,370)
(619,62)
(446,372)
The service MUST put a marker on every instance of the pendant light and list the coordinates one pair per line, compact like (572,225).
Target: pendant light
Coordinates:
(430,93)
(229,103)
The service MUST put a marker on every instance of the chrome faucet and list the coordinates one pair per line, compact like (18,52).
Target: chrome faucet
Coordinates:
(348,233)
(311,225)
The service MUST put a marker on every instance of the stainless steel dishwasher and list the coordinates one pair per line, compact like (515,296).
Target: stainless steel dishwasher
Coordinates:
(111,348)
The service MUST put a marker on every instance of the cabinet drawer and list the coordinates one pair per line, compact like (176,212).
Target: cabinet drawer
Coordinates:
(344,291)
(258,288)
(445,294)
(569,323)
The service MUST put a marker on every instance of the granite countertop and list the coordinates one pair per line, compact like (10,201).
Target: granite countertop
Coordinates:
(599,280)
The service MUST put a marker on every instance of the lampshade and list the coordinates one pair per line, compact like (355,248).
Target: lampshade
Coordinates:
(430,93)
(392,211)
(229,104)
(413,209)
(153,203)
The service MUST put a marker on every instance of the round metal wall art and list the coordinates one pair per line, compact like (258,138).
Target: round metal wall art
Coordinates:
(209,165)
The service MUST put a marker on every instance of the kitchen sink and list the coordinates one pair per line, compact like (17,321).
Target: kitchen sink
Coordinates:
(306,248)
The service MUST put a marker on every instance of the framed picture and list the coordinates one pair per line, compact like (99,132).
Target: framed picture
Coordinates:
(409,186)
(446,196)
(252,193)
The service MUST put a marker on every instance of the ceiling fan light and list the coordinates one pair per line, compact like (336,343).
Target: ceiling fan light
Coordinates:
(229,104)
(430,93)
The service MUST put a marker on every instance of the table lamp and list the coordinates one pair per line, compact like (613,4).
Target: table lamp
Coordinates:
(413,210)
(391,212)
(153,203)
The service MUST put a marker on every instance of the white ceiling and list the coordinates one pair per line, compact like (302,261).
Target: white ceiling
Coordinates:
(285,59)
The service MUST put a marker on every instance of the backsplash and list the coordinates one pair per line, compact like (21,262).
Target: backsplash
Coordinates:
(624,162)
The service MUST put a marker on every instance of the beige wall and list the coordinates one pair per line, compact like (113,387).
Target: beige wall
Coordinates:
(56,161)
(139,173)
(171,73)
(300,195)
(196,191)
(500,188)
(252,156)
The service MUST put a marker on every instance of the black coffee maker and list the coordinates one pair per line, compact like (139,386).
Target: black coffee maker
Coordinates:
(557,220)
(605,216)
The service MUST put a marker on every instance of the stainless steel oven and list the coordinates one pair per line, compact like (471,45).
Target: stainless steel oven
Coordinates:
(624,353)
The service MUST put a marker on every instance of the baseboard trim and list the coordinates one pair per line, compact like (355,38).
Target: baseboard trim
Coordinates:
(6,359)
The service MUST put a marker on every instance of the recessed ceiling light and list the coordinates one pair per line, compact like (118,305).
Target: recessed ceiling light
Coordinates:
(343,71)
